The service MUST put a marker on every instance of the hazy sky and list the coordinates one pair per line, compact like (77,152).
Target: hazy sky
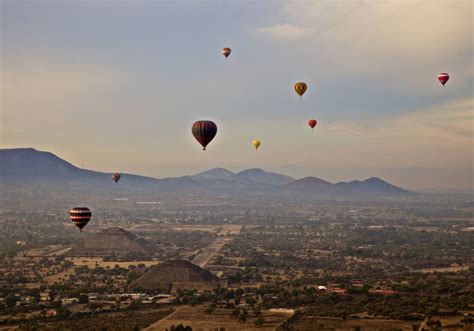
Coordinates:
(116,85)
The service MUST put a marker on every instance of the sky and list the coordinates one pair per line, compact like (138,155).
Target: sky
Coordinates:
(115,86)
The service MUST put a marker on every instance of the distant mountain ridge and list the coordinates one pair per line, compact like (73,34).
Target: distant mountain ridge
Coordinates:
(262,176)
(27,165)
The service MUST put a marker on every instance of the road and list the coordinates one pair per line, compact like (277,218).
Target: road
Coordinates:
(206,254)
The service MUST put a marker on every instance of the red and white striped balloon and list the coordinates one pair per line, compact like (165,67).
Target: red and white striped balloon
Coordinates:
(443,78)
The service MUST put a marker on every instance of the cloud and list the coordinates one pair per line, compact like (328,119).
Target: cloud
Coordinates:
(46,79)
(404,37)
(453,121)
(41,92)
(284,31)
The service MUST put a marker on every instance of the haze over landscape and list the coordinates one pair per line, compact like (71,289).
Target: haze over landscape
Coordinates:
(116,86)
(236,165)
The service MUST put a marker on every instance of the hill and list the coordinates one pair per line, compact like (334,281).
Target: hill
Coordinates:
(29,166)
(373,185)
(262,176)
(174,274)
(110,241)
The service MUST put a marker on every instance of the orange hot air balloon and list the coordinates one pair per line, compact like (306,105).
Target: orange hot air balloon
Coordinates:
(300,88)
(312,123)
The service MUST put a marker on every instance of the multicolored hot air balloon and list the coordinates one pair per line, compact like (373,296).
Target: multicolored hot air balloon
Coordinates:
(226,51)
(300,88)
(312,123)
(256,143)
(80,216)
(443,78)
(116,177)
(204,132)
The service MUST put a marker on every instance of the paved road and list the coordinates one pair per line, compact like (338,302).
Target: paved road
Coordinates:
(206,254)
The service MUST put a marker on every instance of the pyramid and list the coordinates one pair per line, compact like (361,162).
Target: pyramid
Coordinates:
(110,241)
(174,274)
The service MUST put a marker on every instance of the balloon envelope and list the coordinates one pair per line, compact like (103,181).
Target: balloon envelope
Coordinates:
(256,143)
(204,132)
(116,177)
(80,216)
(300,88)
(443,78)
(312,123)
(226,51)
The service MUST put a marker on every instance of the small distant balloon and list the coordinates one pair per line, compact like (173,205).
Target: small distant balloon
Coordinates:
(443,78)
(312,123)
(204,132)
(80,216)
(256,143)
(300,88)
(226,51)
(116,177)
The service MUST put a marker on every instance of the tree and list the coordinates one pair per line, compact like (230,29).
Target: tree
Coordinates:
(259,321)
(83,298)
(180,327)
(467,320)
(235,313)
(243,316)
(344,315)
(93,306)
(257,312)
(63,312)
(10,300)
(209,310)
(415,327)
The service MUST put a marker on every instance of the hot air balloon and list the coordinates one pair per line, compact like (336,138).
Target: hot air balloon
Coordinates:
(226,51)
(312,123)
(116,177)
(204,132)
(300,88)
(80,216)
(256,143)
(443,78)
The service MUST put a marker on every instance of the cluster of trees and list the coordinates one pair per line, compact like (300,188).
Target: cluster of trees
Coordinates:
(179,327)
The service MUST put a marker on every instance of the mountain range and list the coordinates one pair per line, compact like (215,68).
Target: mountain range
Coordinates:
(27,165)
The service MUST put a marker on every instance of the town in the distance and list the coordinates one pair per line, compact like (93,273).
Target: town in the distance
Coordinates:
(220,250)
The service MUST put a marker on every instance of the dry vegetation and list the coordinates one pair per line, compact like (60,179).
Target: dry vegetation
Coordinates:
(200,321)
(118,321)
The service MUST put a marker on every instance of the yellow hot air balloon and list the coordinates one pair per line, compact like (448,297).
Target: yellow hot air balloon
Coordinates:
(300,88)
(256,143)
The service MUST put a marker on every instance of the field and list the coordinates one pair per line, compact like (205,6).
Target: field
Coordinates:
(99,262)
(326,324)
(454,268)
(337,324)
(200,321)
(118,321)
(51,250)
